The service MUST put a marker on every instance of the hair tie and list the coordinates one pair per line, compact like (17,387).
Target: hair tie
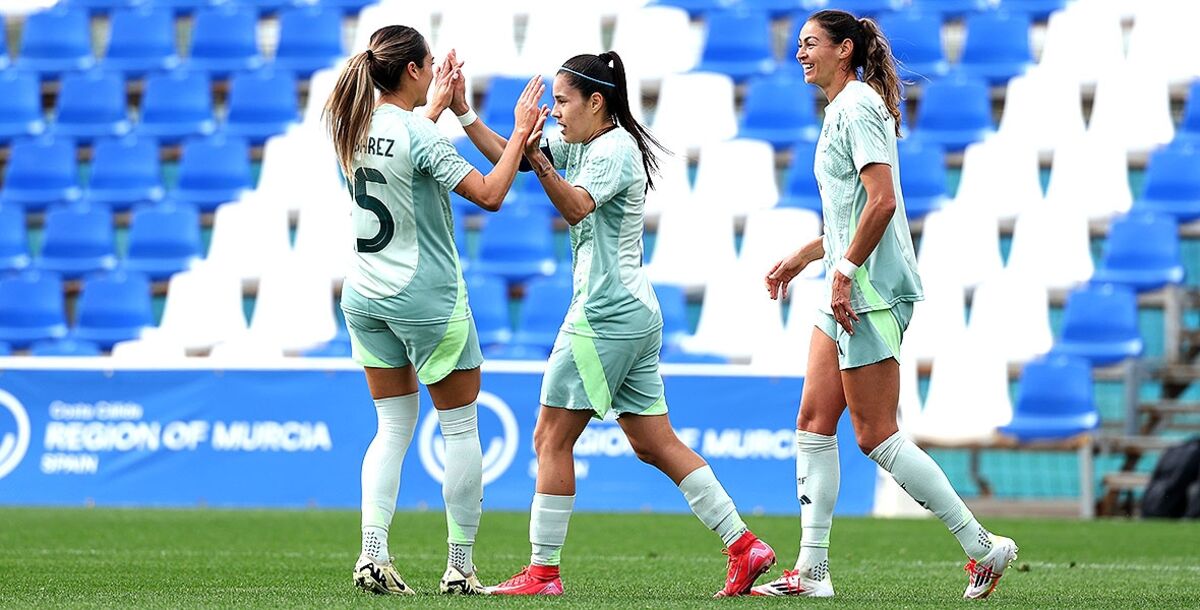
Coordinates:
(370,55)
(582,75)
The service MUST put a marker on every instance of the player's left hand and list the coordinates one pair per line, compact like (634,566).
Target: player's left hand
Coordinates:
(534,141)
(445,76)
(843,314)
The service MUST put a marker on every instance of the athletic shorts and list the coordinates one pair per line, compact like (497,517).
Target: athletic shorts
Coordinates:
(877,335)
(599,375)
(434,349)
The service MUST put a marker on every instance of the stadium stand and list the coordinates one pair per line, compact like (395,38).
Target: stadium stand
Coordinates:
(20,106)
(113,307)
(141,40)
(78,240)
(779,110)
(125,172)
(177,105)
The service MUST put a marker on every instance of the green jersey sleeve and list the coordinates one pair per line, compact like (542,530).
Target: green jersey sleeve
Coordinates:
(866,138)
(434,155)
(559,151)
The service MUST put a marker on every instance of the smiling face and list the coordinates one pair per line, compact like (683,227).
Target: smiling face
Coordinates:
(578,117)
(424,78)
(821,58)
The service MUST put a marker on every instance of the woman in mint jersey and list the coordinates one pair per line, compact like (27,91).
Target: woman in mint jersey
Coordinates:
(404,300)
(606,355)
(873,283)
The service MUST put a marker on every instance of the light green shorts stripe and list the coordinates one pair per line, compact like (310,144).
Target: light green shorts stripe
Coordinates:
(446,355)
(600,375)
(877,335)
(435,350)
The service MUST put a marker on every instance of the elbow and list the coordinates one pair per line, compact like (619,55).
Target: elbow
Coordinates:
(492,203)
(886,205)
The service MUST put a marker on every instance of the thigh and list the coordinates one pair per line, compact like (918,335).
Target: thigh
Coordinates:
(641,391)
(823,399)
(389,382)
(459,388)
(559,427)
(873,392)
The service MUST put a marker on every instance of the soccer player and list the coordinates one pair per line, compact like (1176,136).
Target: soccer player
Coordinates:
(606,355)
(868,258)
(405,300)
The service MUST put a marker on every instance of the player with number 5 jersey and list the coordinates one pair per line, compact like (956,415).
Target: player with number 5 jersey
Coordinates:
(405,300)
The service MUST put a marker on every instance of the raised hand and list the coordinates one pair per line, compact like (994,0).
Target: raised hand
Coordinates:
(534,141)
(443,84)
(527,113)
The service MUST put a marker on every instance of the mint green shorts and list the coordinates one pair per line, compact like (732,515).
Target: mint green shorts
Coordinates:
(877,335)
(434,349)
(599,375)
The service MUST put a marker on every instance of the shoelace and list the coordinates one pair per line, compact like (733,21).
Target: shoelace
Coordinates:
(979,572)
(791,579)
(521,578)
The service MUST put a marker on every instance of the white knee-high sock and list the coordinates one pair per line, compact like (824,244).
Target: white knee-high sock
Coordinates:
(818,476)
(462,487)
(712,505)
(921,477)
(397,419)
(548,519)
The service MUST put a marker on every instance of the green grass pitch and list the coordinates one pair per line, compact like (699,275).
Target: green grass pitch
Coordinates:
(278,559)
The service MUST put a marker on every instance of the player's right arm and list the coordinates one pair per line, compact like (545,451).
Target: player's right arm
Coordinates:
(488,191)
(784,271)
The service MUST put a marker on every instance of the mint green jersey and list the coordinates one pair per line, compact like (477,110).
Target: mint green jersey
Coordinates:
(613,298)
(859,131)
(407,266)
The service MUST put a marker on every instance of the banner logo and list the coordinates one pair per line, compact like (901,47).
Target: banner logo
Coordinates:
(14,436)
(499,446)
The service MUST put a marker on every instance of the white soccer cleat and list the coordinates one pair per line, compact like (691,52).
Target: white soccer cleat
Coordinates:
(983,575)
(379,578)
(454,582)
(814,582)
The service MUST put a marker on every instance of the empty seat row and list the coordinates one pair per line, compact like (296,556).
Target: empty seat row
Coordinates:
(175,105)
(143,40)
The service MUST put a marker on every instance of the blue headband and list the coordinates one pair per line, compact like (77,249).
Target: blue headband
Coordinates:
(582,75)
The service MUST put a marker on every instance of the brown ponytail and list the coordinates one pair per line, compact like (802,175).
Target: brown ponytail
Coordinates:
(347,113)
(872,54)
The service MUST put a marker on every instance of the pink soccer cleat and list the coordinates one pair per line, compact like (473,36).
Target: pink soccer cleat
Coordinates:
(749,558)
(531,580)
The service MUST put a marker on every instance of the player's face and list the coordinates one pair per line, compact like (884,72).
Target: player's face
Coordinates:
(817,54)
(571,111)
(425,78)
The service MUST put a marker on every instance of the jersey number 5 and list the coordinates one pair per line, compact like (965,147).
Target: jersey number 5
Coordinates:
(387,226)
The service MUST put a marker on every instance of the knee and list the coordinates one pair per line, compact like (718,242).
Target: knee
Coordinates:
(646,452)
(870,438)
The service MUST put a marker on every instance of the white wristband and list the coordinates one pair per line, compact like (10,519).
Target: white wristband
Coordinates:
(468,118)
(846,268)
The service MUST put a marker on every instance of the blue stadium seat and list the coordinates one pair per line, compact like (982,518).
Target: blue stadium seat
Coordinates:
(1100,323)
(125,172)
(489,308)
(1190,129)
(142,40)
(31,308)
(954,112)
(310,38)
(738,44)
(347,6)
(997,46)
(916,40)
(224,41)
(800,190)
(164,239)
(858,7)
(502,95)
(922,177)
(673,303)
(176,105)
(780,110)
(113,307)
(55,41)
(78,239)
(101,6)
(1173,182)
(40,172)
(269,6)
(774,8)
(516,245)
(675,355)
(183,7)
(1039,10)
(213,171)
(4,59)
(20,106)
(261,104)
(5,349)
(950,8)
(60,348)
(542,312)
(1054,400)
(339,347)
(1142,252)
(14,241)
(527,193)
(92,105)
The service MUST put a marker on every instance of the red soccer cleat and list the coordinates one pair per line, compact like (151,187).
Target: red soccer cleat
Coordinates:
(749,558)
(531,580)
